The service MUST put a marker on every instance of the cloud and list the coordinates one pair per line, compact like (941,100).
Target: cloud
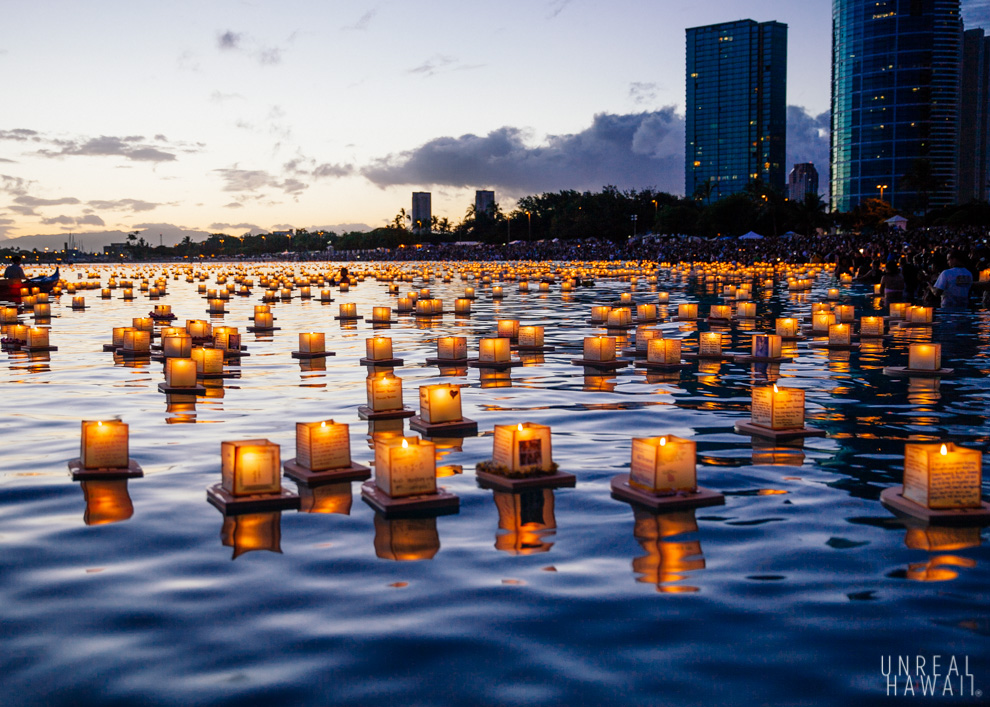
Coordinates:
(233,205)
(19,134)
(133,205)
(301,166)
(32,201)
(362,23)
(87,220)
(4,159)
(130,147)
(556,7)
(630,151)
(23,210)
(219,97)
(808,141)
(642,93)
(229,40)
(254,180)
(432,65)
(241,43)
(976,13)
(14,185)
(215,227)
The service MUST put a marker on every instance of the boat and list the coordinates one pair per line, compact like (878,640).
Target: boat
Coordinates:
(11,289)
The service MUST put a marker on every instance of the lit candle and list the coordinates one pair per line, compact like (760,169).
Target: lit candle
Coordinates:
(942,476)
(530,336)
(599,348)
(180,373)
(323,445)
(440,403)
(493,350)
(663,465)
(405,466)
(104,444)
(378,348)
(524,448)
(666,351)
(451,347)
(925,357)
(384,391)
(777,408)
(250,467)
(840,335)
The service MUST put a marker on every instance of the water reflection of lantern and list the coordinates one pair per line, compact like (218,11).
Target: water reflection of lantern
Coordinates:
(326,498)
(599,348)
(925,357)
(107,501)
(250,532)
(526,521)
(871,327)
(384,391)
(663,465)
(935,538)
(942,476)
(772,453)
(524,448)
(777,408)
(250,467)
(493,350)
(786,327)
(666,560)
(405,539)
(405,466)
(104,444)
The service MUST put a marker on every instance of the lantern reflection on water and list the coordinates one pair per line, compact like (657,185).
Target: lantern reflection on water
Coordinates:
(667,560)
(251,532)
(526,521)
(107,501)
(406,539)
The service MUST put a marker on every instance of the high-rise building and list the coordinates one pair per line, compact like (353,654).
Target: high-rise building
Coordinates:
(422,211)
(736,107)
(974,117)
(484,202)
(802,180)
(896,67)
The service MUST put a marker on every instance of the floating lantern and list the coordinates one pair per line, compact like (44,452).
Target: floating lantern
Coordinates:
(508,328)
(345,286)
(79,303)
(404,305)
(497,292)
(469,293)
(405,466)
(844,313)
(644,336)
(619,317)
(128,293)
(250,467)
(305,292)
(839,335)
(832,294)
(347,310)
(384,390)
(687,311)
(898,310)
(523,286)
(710,344)
(599,348)
(523,449)
(321,446)
(494,350)
(925,357)
(746,310)
(625,298)
(136,341)
(42,310)
(176,345)
(325,296)
(786,327)
(378,348)
(118,335)
(451,348)
(720,311)
(845,279)
(766,346)
(821,321)
(440,403)
(209,362)
(871,326)
(663,465)
(919,315)
(664,351)
(530,337)
(312,342)
(646,312)
(105,293)
(942,476)
(180,373)
(777,408)
(104,444)
(217,306)
(381,315)
(544,287)
(226,338)
(199,329)
(599,314)
(8,315)
(663,297)
(462,306)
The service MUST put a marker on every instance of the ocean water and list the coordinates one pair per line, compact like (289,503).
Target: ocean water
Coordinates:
(793,592)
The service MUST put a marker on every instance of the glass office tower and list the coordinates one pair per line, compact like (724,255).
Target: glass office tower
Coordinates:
(896,67)
(736,107)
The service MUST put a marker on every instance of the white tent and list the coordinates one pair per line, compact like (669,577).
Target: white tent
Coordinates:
(751,236)
(897,222)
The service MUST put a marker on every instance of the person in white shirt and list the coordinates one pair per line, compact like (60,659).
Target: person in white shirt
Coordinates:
(953,284)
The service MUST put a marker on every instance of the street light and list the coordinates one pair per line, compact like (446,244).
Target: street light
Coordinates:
(881,187)
(654,209)
(529,219)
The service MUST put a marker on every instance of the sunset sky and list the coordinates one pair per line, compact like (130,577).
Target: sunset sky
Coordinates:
(230,116)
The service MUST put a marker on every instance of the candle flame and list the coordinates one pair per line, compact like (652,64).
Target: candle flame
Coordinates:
(663,441)
(405,444)
(520,427)
(775,388)
(99,423)
(944,450)
(323,424)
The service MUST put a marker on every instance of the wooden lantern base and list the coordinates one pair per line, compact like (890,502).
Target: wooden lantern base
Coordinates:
(617,327)
(327,300)
(133,470)
(893,499)
(902,371)
(634,352)
(612,365)
(307,355)
(194,390)
(647,320)
(748,428)
(833,347)
(901,324)
(708,357)
(719,320)
(447,361)
(389,362)
(595,322)
(496,365)
(366,413)
(791,338)
(263,329)
(133,354)
(79,309)
(558,479)
(653,366)
(458,428)
(622,490)
(746,358)
(229,504)
(220,313)
(534,349)
(231,355)
(685,319)
(349,319)
(431,504)
(38,349)
(214,376)
(307,477)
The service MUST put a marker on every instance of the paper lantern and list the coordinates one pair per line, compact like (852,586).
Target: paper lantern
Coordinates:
(208,361)
(666,351)
(440,403)
(644,336)
(786,326)
(766,346)
(729,291)
(821,321)
(523,286)
(405,466)
(462,305)
(925,357)
(663,465)
(720,311)
(136,341)
(687,311)
(451,347)
(530,336)
(347,310)
(199,328)
(163,310)
(378,348)
(493,350)
(599,348)
(942,476)
(840,335)
(323,445)
(128,293)
(599,314)
(8,315)
(742,295)
(646,312)
(180,373)
(619,317)
(663,297)
(384,391)
(777,408)
(118,335)
(898,310)
(469,293)
(871,326)
(919,315)
(403,305)
(381,315)
(226,338)
(345,286)
(216,306)
(746,310)
(79,303)
(844,313)
(325,296)
(625,298)
(104,444)
(250,467)
(105,293)
(507,328)
(523,448)
(177,345)
(832,294)
(264,320)
(305,292)
(710,343)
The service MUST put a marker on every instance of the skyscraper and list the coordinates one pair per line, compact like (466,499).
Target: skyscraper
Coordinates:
(422,211)
(736,107)
(896,68)
(974,117)
(484,202)
(802,180)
